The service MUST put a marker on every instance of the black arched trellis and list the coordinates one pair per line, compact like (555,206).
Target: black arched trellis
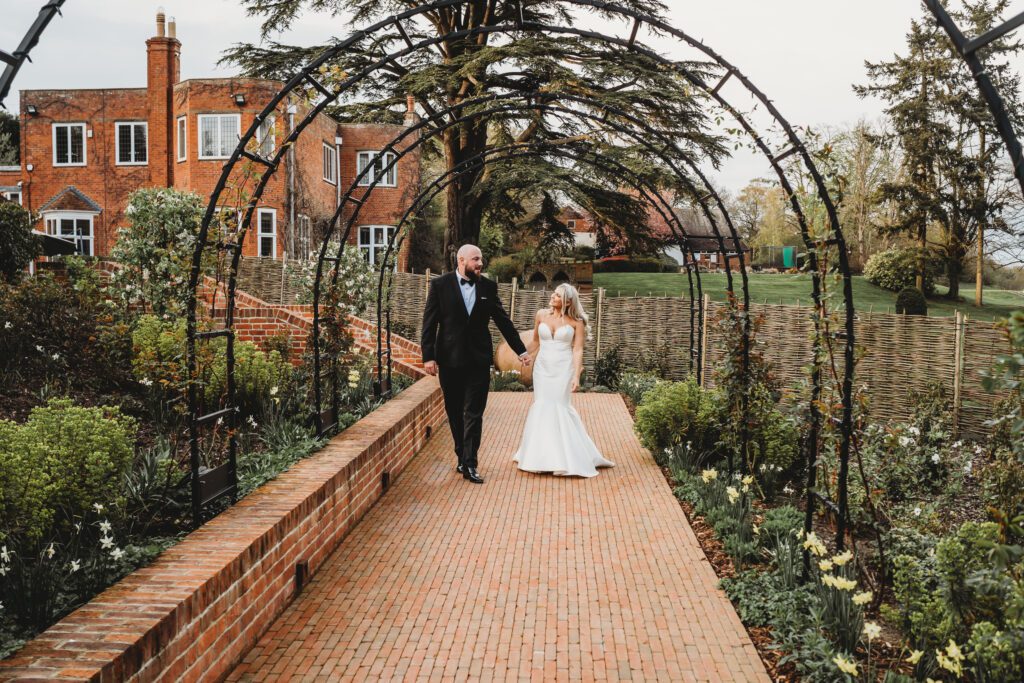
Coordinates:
(449,120)
(15,60)
(968,49)
(306,78)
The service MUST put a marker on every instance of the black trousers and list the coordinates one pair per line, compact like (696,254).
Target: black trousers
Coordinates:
(465,397)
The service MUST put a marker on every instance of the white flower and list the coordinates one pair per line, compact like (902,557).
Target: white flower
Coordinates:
(117,553)
(917,511)
(40,349)
(55,356)
(106,542)
(273,391)
(105,527)
(252,422)
(915,431)
(220,421)
(75,566)
(905,441)
(958,445)
(8,325)
(146,382)
(872,630)
(50,552)
(97,507)
(968,466)
(978,450)
(936,458)
(4,554)
(3,570)
(787,489)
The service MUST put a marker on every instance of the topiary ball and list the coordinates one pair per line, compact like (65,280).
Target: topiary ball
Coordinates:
(910,301)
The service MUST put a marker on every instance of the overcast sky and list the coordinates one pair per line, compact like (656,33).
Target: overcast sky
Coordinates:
(804,54)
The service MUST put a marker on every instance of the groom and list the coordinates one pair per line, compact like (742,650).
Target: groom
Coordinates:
(457,344)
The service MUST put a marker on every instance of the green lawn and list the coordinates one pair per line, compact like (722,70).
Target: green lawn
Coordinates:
(792,289)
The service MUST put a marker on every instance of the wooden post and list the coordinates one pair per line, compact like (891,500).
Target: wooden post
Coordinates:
(512,304)
(704,341)
(426,287)
(960,320)
(598,313)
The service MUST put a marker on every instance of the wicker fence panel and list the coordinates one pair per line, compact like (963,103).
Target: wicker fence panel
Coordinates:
(982,343)
(267,279)
(649,330)
(903,354)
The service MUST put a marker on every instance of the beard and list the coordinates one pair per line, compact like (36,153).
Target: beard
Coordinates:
(472,274)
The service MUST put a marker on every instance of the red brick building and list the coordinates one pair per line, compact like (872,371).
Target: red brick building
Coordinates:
(84,151)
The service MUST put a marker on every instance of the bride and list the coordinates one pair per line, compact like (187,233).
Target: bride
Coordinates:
(554,439)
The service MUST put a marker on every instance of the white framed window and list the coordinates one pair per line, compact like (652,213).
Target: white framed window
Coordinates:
(265,136)
(182,138)
(218,135)
(330,164)
(267,221)
(571,224)
(12,195)
(130,143)
(74,226)
(373,242)
(229,217)
(378,161)
(69,144)
(303,236)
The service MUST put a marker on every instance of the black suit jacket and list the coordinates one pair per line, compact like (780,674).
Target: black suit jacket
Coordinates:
(455,338)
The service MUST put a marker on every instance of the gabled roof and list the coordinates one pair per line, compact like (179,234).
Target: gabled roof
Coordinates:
(70,199)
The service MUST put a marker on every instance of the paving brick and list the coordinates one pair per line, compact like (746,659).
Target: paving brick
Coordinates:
(528,577)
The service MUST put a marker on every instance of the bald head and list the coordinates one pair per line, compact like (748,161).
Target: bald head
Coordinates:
(471,261)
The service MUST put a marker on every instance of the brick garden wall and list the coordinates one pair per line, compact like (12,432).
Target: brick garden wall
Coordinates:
(203,604)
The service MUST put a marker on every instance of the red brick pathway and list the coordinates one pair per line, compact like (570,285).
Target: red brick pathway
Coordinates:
(528,577)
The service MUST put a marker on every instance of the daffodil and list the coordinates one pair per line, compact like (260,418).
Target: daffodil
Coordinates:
(863,598)
(106,542)
(845,584)
(50,552)
(75,566)
(748,480)
(105,527)
(847,666)
(915,657)
(732,493)
(709,475)
(872,630)
(842,558)
(825,565)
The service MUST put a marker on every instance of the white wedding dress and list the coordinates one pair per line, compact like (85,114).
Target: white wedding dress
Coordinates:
(554,439)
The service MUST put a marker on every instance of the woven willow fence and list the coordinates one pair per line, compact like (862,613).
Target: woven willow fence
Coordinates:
(900,354)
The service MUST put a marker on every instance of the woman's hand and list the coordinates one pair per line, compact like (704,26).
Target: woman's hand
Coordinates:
(574,385)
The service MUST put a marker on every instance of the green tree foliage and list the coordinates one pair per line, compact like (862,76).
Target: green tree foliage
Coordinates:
(10,139)
(954,181)
(18,246)
(895,269)
(156,250)
(460,69)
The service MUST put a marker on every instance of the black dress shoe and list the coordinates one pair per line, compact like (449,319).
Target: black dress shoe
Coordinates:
(459,468)
(471,474)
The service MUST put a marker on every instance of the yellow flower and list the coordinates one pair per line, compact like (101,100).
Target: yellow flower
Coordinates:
(948,664)
(829,580)
(953,650)
(748,480)
(872,630)
(842,558)
(825,565)
(814,544)
(845,584)
(845,665)
(915,657)
(732,493)
(709,475)
(863,598)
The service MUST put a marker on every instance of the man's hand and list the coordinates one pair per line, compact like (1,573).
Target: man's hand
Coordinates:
(430,367)
(525,360)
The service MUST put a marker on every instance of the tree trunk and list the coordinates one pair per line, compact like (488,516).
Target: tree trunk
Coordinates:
(979,276)
(464,216)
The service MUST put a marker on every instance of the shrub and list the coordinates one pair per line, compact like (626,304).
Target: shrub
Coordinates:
(678,412)
(159,360)
(156,250)
(18,246)
(910,301)
(61,461)
(505,269)
(896,269)
(635,385)
(608,368)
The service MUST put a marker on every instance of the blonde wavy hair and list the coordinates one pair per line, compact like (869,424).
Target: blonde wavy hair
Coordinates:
(572,307)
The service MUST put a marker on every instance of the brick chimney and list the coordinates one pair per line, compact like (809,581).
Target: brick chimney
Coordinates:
(163,70)
(411,117)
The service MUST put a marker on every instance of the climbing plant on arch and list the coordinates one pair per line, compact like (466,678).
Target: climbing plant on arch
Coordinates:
(826,246)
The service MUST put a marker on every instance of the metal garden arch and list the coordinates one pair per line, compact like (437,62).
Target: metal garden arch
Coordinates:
(306,78)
